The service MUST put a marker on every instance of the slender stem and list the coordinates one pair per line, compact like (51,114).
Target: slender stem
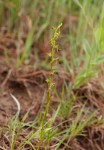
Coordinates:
(50,84)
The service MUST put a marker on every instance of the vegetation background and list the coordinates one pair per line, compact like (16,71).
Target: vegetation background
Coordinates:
(51,75)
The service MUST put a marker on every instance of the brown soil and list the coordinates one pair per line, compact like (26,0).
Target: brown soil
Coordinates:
(29,86)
